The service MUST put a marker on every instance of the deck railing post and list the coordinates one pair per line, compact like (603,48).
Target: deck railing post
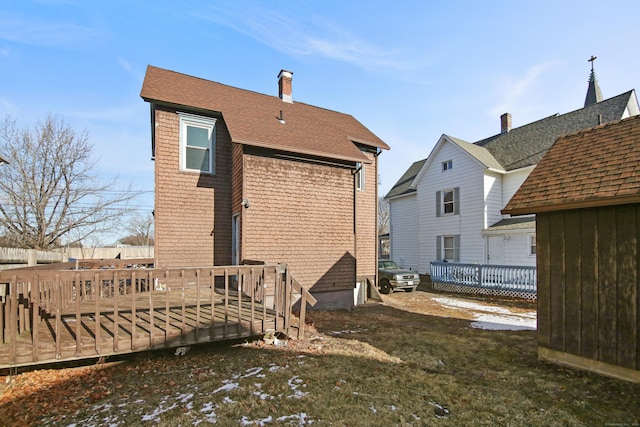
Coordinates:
(13,329)
(35,296)
(97,286)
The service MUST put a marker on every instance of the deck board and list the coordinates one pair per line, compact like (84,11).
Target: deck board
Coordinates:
(226,321)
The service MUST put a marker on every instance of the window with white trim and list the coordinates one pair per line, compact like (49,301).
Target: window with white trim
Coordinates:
(448,165)
(360,176)
(197,143)
(532,244)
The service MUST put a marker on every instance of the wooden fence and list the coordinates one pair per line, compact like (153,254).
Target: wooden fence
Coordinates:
(99,310)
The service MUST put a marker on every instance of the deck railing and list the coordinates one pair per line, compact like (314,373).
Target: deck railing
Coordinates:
(521,279)
(48,315)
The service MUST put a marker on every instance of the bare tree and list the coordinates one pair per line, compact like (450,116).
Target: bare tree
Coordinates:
(383,216)
(48,191)
(140,229)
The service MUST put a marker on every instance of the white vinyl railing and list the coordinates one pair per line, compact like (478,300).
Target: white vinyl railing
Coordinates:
(496,277)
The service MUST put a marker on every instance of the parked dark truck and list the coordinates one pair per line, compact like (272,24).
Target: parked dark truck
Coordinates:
(392,277)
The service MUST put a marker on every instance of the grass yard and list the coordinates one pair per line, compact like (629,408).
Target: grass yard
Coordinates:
(406,362)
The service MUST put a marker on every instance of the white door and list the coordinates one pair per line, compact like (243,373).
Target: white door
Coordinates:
(496,251)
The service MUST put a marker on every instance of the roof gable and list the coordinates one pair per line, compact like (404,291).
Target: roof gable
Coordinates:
(253,118)
(479,154)
(594,167)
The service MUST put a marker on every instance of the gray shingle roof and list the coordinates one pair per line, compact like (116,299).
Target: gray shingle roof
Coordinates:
(594,167)
(403,185)
(524,146)
(513,224)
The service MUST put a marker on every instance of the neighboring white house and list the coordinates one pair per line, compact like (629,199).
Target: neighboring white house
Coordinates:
(447,206)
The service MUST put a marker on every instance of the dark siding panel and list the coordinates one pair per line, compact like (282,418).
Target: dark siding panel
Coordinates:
(573,293)
(637,325)
(544,294)
(607,285)
(557,280)
(589,283)
(627,280)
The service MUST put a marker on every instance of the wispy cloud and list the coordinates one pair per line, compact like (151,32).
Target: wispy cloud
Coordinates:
(130,69)
(42,32)
(305,37)
(517,92)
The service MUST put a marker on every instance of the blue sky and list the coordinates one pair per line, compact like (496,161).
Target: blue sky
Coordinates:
(408,70)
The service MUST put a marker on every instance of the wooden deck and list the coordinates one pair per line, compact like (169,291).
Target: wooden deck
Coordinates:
(48,316)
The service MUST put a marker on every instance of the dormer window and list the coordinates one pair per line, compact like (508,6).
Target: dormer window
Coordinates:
(448,165)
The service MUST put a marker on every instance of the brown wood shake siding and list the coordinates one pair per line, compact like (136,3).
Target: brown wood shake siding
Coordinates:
(192,210)
(301,213)
(366,227)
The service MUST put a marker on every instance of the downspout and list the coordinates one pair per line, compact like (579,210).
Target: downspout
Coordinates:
(375,275)
(355,224)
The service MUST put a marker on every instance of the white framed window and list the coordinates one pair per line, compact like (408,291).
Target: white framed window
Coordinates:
(197,143)
(532,244)
(447,165)
(448,202)
(360,176)
(448,247)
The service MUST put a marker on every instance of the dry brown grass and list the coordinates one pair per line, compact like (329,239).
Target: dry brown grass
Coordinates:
(380,365)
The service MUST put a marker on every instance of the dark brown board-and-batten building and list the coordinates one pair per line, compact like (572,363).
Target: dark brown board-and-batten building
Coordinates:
(585,193)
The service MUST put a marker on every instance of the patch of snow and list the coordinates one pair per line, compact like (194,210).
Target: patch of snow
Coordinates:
(252,371)
(227,387)
(493,318)
(503,323)
(294,383)
(161,409)
(454,303)
(302,418)
(247,422)
(209,409)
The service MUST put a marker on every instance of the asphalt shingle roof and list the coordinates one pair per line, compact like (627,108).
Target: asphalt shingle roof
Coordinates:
(524,146)
(252,118)
(403,186)
(594,167)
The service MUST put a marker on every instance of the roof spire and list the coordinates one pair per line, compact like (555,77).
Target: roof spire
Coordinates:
(593,91)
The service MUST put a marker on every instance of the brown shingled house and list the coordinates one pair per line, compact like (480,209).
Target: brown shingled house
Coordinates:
(245,177)
(585,193)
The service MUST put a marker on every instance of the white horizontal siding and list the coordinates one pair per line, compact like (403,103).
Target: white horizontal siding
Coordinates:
(493,198)
(511,182)
(516,250)
(403,231)
(466,174)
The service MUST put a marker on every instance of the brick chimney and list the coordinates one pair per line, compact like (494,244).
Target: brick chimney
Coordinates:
(505,123)
(284,86)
